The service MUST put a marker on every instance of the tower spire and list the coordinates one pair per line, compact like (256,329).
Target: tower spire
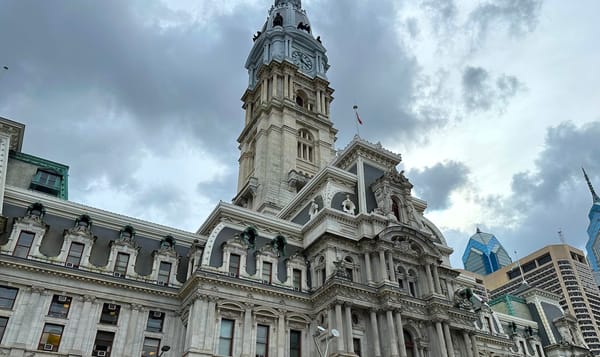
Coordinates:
(587,179)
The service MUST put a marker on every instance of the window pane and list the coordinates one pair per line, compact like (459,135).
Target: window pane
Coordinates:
(234,264)
(75,253)
(51,336)
(3,323)
(266,272)
(7,297)
(164,271)
(295,343)
(155,321)
(23,244)
(296,278)
(110,314)
(226,338)
(103,342)
(262,340)
(150,347)
(121,263)
(60,306)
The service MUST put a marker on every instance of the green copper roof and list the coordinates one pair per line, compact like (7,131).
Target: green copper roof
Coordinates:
(62,169)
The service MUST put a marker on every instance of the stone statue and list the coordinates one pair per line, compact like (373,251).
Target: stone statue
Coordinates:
(348,206)
(313,210)
(565,334)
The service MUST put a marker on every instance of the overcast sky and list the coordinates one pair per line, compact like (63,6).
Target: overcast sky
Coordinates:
(493,104)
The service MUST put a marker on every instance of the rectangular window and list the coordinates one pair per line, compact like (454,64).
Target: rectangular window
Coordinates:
(267,270)
(350,273)
(75,253)
(295,343)
(60,306)
(150,348)
(262,341)
(356,344)
(234,265)
(3,323)
(323,276)
(226,338)
(155,321)
(164,272)
(7,297)
(110,314)
(51,336)
(412,289)
(297,279)
(103,343)
(121,263)
(23,244)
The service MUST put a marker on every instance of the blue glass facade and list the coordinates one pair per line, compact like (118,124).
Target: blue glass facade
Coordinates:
(593,231)
(484,254)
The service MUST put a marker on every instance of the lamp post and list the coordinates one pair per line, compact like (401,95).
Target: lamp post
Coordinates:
(164,349)
(330,335)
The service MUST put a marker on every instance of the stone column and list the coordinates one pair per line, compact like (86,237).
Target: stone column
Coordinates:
(382,267)
(86,311)
(375,329)
(400,332)
(348,330)
(247,337)
(429,278)
(391,267)
(340,327)
(448,336)
(211,325)
(474,346)
(34,317)
(467,343)
(196,324)
(440,335)
(392,333)
(274,86)
(263,97)
(132,334)
(281,334)
(362,196)
(11,335)
(318,101)
(436,279)
(368,267)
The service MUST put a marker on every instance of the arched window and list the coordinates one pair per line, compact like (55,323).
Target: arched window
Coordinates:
(305,145)
(409,344)
(401,276)
(412,283)
(299,101)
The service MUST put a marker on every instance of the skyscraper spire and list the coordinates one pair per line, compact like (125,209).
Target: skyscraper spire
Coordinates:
(587,179)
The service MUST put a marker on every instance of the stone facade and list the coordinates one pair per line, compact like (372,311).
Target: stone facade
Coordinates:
(333,258)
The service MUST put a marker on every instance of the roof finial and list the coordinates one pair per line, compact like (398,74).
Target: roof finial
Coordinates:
(594,195)
(478,230)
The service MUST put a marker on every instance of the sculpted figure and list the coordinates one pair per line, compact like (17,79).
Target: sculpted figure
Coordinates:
(313,210)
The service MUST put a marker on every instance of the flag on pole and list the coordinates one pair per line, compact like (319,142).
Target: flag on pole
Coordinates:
(357,116)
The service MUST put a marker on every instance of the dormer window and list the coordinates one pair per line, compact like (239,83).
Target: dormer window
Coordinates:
(267,272)
(47,181)
(121,264)
(305,145)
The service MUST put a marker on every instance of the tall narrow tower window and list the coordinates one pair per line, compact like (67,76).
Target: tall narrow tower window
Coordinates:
(305,145)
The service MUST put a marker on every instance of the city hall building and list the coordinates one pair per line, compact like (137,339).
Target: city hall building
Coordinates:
(321,252)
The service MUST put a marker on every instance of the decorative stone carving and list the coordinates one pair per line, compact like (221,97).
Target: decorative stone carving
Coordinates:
(462,299)
(348,206)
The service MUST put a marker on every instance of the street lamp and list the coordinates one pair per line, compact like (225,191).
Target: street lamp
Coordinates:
(164,349)
(330,335)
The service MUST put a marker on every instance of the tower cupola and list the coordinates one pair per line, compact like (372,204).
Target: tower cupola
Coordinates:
(288,136)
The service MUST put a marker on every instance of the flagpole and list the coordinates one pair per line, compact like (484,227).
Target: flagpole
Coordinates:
(355,107)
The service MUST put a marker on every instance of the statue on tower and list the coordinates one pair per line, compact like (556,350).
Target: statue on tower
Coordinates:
(296,3)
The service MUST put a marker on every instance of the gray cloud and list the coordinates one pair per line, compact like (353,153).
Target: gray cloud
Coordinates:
(481,92)
(436,183)
(517,16)
(553,195)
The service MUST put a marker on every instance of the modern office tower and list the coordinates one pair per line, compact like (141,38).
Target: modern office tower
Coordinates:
(484,254)
(562,270)
(593,231)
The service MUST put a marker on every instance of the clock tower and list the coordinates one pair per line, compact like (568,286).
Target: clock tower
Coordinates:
(288,135)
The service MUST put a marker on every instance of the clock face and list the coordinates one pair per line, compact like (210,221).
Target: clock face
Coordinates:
(302,60)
